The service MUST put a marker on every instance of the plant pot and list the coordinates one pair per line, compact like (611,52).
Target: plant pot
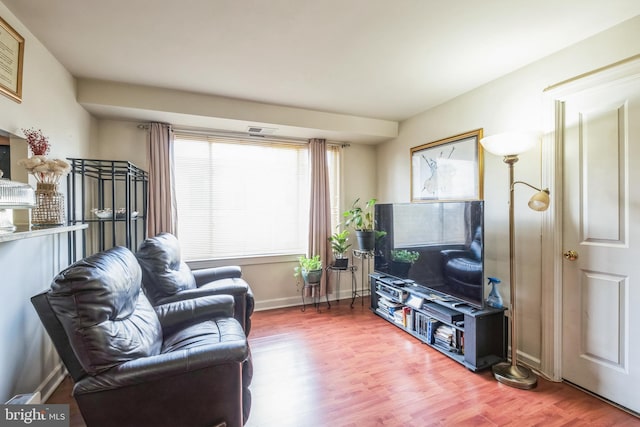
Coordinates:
(400,269)
(311,276)
(366,240)
(341,263)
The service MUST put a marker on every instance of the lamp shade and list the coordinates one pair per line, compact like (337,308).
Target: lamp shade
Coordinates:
(506,144)
(539,201)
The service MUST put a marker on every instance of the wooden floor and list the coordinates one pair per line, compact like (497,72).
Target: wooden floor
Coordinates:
(347,367)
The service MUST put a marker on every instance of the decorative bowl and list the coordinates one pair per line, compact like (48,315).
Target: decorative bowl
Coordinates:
(103,213)
(108,213)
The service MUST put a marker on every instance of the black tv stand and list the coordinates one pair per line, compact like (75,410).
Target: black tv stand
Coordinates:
(471,336)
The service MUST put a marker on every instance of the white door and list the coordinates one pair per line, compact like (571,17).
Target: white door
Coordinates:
(601,223)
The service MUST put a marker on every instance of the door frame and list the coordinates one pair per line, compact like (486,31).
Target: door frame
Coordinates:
(552,220)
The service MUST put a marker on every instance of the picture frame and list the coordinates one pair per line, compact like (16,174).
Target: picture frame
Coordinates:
(448,169)
(11,61)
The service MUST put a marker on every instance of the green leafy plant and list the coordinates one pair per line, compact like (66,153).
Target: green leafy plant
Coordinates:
(306,264)
(403,255)
(339,243)
(361,219)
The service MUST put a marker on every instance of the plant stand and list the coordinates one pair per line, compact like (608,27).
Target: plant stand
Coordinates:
(365,270)
(339,271)
(314,288)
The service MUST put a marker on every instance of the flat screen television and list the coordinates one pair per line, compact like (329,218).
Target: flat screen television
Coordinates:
(438,246)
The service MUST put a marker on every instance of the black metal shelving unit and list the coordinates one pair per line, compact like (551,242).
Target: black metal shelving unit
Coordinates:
(107,184)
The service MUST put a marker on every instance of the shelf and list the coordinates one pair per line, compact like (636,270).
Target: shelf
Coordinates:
(479,331)
(115,185)
(26,232)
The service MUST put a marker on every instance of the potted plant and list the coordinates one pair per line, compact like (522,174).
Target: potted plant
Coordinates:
(402,260)
(309,268)
(361,219)
(339,246)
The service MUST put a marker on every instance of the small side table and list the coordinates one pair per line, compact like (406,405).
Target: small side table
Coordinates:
(365,289)
(351,268)
(314,288)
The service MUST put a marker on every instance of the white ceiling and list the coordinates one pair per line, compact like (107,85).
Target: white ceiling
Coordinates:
(382,59)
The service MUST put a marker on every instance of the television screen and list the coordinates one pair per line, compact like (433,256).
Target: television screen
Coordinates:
(438,246)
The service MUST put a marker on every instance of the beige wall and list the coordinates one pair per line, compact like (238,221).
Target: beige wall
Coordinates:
(271,278)
(27,266)
(514,102)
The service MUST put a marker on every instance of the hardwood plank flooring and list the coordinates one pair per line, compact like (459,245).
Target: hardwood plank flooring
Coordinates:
(347,367)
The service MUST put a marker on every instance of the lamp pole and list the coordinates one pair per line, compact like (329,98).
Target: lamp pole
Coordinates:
(510,373)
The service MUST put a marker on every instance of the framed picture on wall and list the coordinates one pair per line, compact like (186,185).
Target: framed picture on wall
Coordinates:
(448,169)
(12,49)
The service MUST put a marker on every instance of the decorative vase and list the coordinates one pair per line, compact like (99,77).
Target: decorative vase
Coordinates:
(494,299)
(49,208)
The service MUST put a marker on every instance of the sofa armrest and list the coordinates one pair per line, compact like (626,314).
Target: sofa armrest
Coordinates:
(220,287)
(165,365)
(449,254)
(178,314)
(205,275)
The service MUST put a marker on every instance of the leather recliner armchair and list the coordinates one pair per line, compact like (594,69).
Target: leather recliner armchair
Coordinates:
(166,278)
(462,268)
(178,364)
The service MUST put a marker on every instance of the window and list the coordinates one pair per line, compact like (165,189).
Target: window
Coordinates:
(241,198)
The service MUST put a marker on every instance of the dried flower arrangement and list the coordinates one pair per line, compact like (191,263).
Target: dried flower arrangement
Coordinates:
(46,171)
(38,143)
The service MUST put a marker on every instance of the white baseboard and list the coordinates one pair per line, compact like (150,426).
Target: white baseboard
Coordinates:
(297,300)
(51,383)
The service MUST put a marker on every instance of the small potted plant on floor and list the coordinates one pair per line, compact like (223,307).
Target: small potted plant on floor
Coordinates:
(402,260)
(361,219)
(339,246)
(309,268)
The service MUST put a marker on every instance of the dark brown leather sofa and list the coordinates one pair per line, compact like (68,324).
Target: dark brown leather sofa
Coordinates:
(176,364)
(167,278)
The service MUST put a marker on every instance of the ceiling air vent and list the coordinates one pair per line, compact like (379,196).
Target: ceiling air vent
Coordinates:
(259,130)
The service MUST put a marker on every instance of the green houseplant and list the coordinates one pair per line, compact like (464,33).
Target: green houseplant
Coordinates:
(339,246)
(362,221)
(403,255)
(402,260)
(309,268)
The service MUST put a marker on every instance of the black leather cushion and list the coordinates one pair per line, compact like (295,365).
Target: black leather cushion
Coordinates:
(161,264)
(216,331)
(103,311)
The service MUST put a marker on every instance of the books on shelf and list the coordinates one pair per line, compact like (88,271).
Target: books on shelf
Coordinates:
(399,313)
(432,330)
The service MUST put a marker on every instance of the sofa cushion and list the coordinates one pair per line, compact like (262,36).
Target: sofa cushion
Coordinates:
(104,313)
(163,272)
(212,332)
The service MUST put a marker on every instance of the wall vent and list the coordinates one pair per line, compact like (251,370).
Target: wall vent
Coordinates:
(259,130)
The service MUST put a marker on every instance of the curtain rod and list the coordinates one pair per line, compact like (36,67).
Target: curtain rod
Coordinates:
(242,135)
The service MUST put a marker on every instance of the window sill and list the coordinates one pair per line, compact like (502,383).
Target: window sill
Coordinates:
(255,260)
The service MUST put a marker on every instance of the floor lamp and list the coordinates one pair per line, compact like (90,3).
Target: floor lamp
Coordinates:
(510,146)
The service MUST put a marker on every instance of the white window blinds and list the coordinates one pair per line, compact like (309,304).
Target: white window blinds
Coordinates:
(240,198)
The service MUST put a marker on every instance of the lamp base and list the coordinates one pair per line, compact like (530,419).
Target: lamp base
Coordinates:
(514,376)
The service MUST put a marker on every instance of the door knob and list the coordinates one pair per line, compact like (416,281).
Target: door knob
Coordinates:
(570,255)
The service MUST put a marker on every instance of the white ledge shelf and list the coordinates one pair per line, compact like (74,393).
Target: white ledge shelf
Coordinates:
(27,232)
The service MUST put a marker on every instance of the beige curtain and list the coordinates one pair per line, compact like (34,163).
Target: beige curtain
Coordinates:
(162,205)
(320,207)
